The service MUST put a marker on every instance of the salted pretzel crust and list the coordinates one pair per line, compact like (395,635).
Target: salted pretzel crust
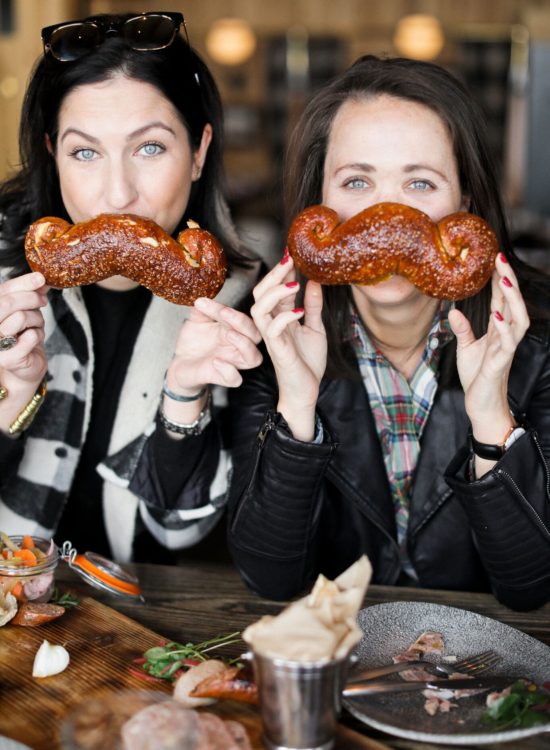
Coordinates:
(451,259)
(179,270)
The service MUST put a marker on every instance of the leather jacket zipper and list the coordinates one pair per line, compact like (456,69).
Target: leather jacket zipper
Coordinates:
(270,423)
(543,459)
(518,493)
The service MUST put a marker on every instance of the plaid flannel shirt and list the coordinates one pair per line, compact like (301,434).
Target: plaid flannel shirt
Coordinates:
(401,409)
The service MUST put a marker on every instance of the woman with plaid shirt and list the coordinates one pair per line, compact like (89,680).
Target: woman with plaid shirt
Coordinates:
(371,392)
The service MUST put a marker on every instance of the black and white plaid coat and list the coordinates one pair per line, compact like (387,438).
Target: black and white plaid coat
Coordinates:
(45,458)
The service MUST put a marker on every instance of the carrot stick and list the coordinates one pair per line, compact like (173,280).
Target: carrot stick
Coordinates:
(27,556)
(17,590)
(28,542)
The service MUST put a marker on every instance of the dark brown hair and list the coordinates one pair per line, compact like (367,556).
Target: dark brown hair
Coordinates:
(434,87)
(179,74)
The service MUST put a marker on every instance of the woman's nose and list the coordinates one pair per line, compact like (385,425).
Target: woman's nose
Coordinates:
(120,188)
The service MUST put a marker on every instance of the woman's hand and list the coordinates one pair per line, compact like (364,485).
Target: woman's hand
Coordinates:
(20,316)
(484,364)
(215,342)
(298,350)
(24,365)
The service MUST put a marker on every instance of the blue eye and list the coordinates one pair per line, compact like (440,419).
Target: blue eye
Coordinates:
(422,185)
(152,149)
(84,154)
(356,183)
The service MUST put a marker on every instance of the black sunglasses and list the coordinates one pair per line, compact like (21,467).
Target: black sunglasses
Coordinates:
(69,41)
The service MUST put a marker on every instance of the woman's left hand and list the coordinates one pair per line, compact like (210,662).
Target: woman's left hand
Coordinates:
(484,364)
(214,344)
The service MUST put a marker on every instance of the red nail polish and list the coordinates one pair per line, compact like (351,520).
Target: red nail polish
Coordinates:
(506,281)
(498,316)
(503,258)
(285,258)
(298,310)
(292,284)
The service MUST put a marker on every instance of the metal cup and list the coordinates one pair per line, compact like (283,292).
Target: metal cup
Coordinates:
(299,701)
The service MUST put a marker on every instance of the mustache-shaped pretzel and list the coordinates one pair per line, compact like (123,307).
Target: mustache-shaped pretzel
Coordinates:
(450,260)
(179,270)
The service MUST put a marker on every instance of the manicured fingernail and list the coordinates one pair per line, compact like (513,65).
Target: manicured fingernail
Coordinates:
(298,310)
(503,258)
(292,284)
(498,316)
(285,257)
(506,281)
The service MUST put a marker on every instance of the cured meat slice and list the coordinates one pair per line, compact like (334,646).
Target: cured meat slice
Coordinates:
(214,734)
(161,726)
(239,734)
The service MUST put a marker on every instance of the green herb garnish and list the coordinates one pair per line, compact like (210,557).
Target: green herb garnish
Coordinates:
(525,706)
(64,599)
(168,660)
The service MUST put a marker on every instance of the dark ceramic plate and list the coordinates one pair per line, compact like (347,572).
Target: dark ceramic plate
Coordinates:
(391,628)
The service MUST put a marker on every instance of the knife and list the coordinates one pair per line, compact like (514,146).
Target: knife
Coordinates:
(389,686)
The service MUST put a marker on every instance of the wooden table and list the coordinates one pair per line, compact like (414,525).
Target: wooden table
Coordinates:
(194,602)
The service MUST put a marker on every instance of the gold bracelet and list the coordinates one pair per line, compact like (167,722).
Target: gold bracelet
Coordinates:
(25,417)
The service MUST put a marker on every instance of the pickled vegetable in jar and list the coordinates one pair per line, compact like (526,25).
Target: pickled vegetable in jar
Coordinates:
(27,567)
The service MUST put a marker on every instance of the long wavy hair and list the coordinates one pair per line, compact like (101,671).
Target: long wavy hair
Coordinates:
(434,87)
(178,73)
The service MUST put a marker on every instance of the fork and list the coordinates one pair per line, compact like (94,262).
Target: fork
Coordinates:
(471,666)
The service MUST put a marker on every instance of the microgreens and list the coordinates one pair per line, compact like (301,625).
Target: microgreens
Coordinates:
(168,660)
(525,706)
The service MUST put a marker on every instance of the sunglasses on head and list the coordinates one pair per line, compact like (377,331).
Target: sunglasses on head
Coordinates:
(69,41)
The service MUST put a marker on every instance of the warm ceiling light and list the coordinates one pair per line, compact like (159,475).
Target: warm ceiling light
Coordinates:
(230,41)
(419,36)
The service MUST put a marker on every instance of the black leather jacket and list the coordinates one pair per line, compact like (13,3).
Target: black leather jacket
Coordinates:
(299,509)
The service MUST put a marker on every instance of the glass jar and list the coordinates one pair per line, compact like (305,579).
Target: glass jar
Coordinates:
(30,582)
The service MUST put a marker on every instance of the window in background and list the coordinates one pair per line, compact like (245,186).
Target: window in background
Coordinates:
(6,17)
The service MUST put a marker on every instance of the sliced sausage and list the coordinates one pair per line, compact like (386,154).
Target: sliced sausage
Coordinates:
(32,614)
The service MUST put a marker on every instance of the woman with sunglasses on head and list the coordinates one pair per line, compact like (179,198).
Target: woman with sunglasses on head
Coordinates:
(372,389)
(106,429)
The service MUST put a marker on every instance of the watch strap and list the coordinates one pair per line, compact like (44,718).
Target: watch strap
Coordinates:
(494,452)
(194,428)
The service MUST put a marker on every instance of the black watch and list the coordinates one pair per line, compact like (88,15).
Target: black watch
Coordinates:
(494,452)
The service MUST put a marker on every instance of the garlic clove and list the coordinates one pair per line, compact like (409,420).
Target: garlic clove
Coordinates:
(50,659)
(8,607)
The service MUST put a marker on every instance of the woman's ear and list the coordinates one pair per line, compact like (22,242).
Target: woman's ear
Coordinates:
(49,145)
(466,202)
(199,157)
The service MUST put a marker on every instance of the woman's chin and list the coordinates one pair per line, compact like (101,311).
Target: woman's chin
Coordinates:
(395,290)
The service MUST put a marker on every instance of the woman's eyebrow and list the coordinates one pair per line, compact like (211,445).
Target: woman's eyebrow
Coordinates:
(358,166)
(150,126)
(81,133)
(413,167)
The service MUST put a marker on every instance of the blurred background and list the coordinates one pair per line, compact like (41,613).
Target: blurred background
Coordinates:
(268,57)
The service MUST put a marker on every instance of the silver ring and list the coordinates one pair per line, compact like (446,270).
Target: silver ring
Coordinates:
(7,342)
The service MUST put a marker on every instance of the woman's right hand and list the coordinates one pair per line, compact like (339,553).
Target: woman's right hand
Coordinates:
(298,350)
(24,365)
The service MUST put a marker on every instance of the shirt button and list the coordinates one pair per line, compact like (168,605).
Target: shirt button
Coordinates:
(434,343)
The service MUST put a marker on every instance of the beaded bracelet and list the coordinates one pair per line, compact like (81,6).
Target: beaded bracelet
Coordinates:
(194,428)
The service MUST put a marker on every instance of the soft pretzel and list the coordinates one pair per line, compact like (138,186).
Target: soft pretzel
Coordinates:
(450,260)
(127,245)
